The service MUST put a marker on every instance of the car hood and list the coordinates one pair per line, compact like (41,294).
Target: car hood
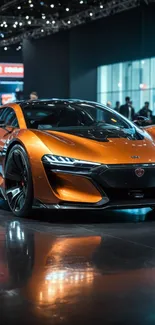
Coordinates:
(113,151)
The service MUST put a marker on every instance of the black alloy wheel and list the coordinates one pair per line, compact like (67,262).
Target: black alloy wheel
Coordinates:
(18,182)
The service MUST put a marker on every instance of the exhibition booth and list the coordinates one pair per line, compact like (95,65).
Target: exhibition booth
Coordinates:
(11,82)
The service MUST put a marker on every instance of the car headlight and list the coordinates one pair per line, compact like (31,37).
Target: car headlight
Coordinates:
(54,160)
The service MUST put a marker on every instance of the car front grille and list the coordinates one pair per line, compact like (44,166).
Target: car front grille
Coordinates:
(129,194)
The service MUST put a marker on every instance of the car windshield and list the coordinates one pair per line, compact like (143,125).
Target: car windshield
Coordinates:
(73,116)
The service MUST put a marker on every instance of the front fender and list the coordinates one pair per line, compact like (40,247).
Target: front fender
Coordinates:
(35,149)
(150,130)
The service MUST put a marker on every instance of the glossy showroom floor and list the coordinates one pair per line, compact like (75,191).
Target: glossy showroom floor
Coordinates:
(66,269)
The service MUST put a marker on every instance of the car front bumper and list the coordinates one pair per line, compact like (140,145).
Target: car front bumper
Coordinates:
(106,186)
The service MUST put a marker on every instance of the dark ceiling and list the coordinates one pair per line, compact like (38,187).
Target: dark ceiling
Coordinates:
(37,18)
(35,8)
(46,10)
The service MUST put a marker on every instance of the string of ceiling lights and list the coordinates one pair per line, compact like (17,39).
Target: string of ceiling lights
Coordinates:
(31,19)
(22,21)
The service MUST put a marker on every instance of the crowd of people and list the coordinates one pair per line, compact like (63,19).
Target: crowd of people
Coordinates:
(128,110)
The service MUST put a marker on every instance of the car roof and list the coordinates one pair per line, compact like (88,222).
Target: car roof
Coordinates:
(53,101)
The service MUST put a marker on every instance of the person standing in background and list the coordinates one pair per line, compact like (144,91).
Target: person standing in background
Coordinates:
(33,95)
(117,107)
(131,104)
(127,110)
(109,104)
(146,112)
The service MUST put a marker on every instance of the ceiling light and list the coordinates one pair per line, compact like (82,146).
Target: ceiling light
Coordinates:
(27,17)
(29,22)
(42,30)
(30,1)
(19,7)
(5,48)
(91,14)
(16,22)
(20,24)
(47,22)
(6,26)
(52,5)
(1,25)
(81,2)
(67,9)
(101,6)
(31,5)
(14,26)
(53,22)
(69,22)
(43,17)
(4,22)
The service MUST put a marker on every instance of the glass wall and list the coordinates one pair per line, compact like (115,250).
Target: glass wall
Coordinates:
(135,79)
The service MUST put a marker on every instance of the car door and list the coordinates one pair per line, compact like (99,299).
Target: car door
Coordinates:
(7,117)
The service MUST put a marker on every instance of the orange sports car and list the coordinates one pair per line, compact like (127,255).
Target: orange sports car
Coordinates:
(72,154)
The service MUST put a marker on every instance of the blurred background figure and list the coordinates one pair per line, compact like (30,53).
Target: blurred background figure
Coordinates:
(131,104)
(33,95)
(117,107)
(109,104)
(145,111)
(127,110)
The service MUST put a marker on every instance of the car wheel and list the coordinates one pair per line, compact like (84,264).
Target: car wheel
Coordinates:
(18,182)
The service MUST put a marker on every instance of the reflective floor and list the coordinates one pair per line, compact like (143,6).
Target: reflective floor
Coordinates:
(75,268)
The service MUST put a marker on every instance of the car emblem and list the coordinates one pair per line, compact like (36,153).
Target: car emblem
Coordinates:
(139,172)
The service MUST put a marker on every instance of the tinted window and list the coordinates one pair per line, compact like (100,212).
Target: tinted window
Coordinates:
(90,120)
(4,113)
(1,112)
(9,117)
(69,115)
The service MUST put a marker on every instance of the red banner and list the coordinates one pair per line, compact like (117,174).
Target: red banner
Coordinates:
(11,70)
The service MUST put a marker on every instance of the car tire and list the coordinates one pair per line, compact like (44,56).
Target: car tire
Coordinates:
(18,182)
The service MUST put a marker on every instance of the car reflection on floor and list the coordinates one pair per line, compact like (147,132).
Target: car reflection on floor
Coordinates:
(77,272)
(46,268)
